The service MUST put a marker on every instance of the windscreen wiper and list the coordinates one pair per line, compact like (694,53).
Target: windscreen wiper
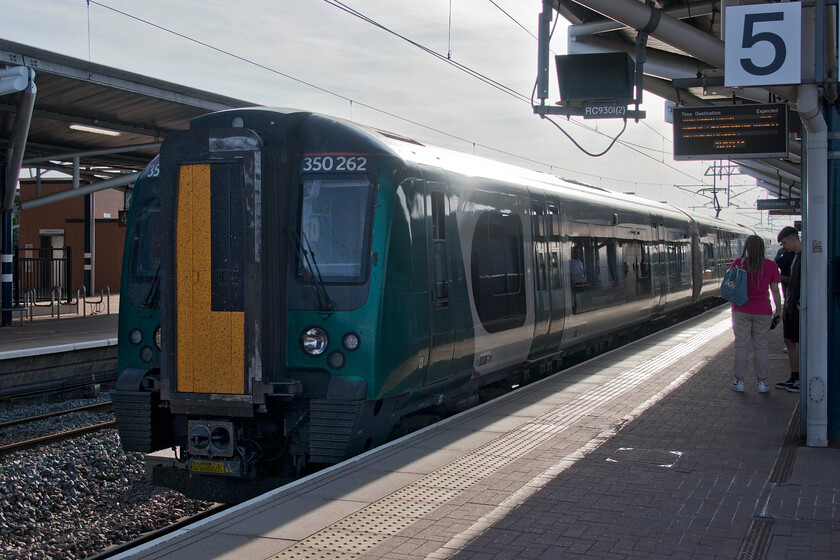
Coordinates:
(322,297)
(153,289)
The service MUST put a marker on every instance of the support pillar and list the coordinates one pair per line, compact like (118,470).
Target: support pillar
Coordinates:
(813,292)
(5,254)
(89,219)
(833,254)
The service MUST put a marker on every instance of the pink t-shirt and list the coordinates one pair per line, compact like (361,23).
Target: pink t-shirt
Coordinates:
(757,287)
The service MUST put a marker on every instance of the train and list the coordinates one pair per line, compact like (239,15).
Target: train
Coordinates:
(298,289)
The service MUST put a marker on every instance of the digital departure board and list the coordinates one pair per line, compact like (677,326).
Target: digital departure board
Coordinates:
(731,131)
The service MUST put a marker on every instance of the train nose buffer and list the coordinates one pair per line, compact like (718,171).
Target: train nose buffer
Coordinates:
(643,451)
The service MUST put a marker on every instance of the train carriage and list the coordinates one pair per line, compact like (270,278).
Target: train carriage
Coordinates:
(324,287)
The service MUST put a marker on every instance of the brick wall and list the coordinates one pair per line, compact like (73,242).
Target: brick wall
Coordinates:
(68,217)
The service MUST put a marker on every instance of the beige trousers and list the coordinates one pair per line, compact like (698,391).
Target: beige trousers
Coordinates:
(751,333)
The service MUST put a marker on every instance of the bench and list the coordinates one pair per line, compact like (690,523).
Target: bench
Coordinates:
(21,309)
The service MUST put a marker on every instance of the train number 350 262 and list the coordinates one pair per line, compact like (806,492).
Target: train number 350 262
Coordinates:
(317,164)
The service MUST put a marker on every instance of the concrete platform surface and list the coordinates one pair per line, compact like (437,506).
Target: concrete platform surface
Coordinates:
(642,453)
(46,334)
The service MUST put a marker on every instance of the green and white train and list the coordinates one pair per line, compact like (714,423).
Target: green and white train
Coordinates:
(298,289)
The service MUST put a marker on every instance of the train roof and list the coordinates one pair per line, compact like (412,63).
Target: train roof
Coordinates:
(414,151)
(468,165)
(475,166)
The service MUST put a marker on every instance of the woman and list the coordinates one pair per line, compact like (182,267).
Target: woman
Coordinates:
(751,321)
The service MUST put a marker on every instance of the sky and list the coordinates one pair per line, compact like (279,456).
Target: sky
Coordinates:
(312,55)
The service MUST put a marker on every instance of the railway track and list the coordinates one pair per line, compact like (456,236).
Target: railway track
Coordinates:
(38,441)
(52,438)
(97,407)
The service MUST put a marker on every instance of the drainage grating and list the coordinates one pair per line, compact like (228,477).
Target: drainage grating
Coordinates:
(783,466)
(760,532)
(356,534)
(758,538)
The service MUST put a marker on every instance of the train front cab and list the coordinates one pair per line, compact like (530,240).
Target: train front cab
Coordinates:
(269,336)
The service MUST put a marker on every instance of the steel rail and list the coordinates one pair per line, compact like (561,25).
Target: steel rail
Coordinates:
(52,438)
(104,406)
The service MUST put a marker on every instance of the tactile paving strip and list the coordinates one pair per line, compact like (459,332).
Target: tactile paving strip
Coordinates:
(353,536)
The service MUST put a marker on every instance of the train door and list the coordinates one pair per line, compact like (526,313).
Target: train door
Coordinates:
(214,309)
(540,256)
(438,245)
(555,277)
(659,273)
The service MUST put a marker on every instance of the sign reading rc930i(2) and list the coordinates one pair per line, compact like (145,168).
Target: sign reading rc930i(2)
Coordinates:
(327,164)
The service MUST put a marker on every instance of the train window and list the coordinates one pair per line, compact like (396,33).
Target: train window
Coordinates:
(540,224)
(554,262)
(577,265)
(644,263)
(438,215)
(540,249)
(498,271)
(505,254)
(594,262)
(553,218)
(144,259)
(607,262)
(334,228)
(673,262)
(708,256)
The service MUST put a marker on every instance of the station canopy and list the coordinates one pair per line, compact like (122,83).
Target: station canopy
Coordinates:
(105,123)
(684,64)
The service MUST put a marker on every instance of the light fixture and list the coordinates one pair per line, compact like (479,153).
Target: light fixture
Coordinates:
(94,129)
(314,341)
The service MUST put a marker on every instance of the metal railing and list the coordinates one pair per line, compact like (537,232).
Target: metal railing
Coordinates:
(40,271)
(96,306)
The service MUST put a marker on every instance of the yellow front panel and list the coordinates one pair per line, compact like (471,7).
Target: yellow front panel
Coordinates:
(211,344)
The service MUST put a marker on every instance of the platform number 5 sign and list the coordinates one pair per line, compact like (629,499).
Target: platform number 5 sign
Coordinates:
(763,44)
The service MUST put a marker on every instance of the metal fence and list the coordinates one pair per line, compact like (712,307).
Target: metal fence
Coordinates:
(41,273)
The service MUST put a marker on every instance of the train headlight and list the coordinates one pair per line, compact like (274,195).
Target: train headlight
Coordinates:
(314,341)
(135,336)
(199,437)
(146,354)
(157,337)
(351,341)
(336,360)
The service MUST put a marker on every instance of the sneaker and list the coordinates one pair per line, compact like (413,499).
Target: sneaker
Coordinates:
(784,384)
(794,387)
(738,386)
(762,387)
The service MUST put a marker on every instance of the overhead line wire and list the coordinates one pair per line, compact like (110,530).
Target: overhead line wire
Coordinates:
(330,92)
(528,31)
(474,73)
(344,7)
(388,113)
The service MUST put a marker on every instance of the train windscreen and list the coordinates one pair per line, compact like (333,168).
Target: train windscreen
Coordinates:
(144,259)
(333,230)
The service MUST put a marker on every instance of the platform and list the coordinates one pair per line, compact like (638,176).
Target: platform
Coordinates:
(46,334)
(57,356)
(644,452)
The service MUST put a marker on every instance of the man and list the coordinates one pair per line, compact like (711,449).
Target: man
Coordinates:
(789,238)
(783,260)
(576,268)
